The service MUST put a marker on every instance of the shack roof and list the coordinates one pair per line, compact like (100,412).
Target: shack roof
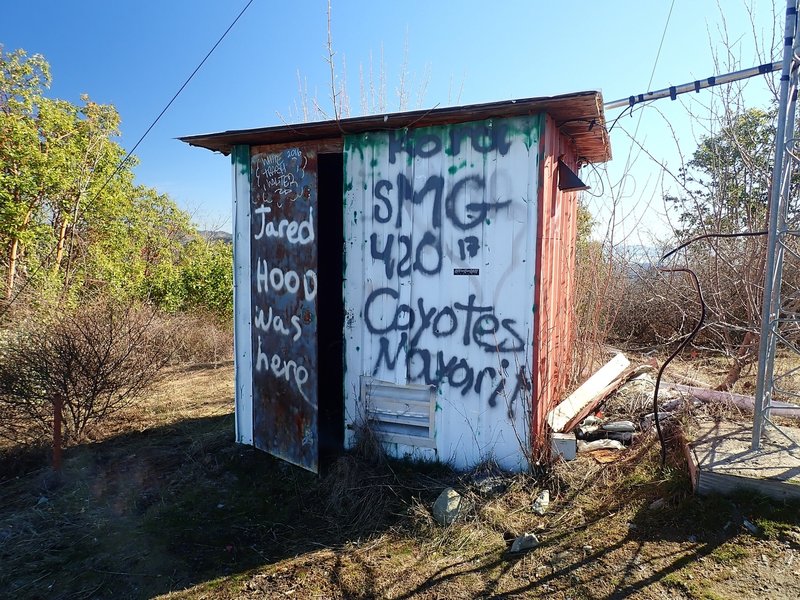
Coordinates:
(579,116)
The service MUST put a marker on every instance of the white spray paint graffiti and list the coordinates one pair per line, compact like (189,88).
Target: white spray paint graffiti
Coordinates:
(293,232)
(278,280)
(282,368)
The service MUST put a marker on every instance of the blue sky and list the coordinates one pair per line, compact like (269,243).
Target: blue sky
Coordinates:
(135,55)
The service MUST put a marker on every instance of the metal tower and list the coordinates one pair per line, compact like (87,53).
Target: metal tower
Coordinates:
(780,322)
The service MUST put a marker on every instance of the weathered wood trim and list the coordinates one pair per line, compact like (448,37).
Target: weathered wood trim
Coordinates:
(242,326)
(579,116)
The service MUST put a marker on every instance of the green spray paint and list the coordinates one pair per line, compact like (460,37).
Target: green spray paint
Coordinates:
(455,168)
(240,157)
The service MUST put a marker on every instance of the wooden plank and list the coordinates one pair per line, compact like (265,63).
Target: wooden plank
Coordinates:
(412,419)
(717,483)
(580,399)
(612,387)
(691,461)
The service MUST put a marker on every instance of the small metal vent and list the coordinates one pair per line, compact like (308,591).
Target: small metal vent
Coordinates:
(400,414)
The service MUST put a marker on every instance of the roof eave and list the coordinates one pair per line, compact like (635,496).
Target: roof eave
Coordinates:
(578,115)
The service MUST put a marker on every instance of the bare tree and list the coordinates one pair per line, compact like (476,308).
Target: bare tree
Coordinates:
(720,194)
(373,98)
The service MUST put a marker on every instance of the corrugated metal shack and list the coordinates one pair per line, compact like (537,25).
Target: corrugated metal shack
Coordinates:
(411,271)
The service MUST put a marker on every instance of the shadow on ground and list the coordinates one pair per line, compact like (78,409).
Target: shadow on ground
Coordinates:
(146,513)
(681,547)
(183,509)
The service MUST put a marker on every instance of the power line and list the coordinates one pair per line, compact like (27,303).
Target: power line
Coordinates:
(185,83)
(649,83)
(136,145)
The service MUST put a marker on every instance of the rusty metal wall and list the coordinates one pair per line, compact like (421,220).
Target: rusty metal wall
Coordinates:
(555,280)
(440,236)
(283,280)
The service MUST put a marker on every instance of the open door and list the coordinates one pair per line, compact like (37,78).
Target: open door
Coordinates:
(330,306)
(283,255)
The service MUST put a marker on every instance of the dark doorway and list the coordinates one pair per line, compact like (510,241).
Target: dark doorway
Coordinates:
(330,305)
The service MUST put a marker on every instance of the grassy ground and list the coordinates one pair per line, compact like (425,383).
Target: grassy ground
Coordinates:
(171,506)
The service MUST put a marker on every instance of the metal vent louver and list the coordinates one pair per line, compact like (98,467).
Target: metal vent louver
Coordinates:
(401,414)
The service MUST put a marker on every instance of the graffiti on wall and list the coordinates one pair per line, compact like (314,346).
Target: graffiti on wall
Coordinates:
(283,291)
(442,214)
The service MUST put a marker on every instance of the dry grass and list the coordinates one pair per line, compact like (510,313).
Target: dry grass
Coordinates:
(204,338)
(189,392)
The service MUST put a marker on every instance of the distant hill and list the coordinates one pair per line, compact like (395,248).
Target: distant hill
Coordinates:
(214,236)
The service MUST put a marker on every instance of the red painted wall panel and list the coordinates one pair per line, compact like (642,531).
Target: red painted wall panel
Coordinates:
(555,280)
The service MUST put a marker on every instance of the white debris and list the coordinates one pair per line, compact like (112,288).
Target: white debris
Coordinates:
(541,503)
(524,542)
(599,445)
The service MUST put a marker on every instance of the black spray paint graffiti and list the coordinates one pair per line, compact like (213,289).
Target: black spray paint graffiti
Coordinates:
(481,136)
(467,322)
(460,204)
(389,201)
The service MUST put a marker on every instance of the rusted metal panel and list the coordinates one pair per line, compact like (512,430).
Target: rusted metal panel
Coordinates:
(321,146)
(440,244)
(283,267)
(578,115)
(555,280)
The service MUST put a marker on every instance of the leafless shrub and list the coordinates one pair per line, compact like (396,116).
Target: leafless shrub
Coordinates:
(601,284)
(654,309)
(98,360)
(660,308)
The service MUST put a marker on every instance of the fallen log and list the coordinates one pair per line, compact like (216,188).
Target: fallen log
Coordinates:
(690,381)
(779,409)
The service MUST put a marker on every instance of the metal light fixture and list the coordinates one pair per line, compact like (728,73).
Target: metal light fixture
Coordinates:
(568,181)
